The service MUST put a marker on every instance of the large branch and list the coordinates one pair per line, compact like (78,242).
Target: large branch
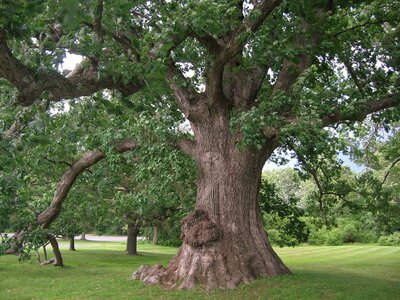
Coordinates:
(31,84)
(207,41)
(341,116)
(119,37)
(234,43)
(87,160)
(188,100)
(242,87)
(250,25)
(290,72)
(97,17)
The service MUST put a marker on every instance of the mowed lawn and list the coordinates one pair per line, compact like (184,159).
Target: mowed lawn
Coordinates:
(100,270)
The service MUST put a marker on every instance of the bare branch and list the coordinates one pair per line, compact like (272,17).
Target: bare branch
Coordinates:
(242,87)
(353,75)
(290,72)
(125,145)
(57,161)
(392,165)
(366,23)
(293,68)
(120,38)
(17,126)
(139,14)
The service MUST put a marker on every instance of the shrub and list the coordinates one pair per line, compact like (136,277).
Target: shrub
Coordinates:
(281,239)
(347,231)
(334,237)
(350,234)
(390,240)
(368,237)
(318,236)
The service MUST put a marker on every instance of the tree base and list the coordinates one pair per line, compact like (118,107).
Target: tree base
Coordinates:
(215,258)
(52,261)
(210,269)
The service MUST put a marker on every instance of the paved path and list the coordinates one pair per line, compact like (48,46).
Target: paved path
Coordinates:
(107,238)
(103,238)
(100,238)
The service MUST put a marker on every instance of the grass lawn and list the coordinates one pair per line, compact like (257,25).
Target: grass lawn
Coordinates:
(99,270)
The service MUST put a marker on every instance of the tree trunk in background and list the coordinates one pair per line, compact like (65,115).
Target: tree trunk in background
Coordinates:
(56,250)
(224,241)
(44,251)
(83,236)
(155,235)
(131,243)
(72,243)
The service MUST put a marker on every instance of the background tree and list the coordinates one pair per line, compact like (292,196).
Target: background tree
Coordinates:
(280,194)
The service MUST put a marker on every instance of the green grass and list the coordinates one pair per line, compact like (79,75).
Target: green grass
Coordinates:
(100,270)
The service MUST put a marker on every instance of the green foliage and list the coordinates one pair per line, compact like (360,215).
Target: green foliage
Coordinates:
(5,244)
(390,240)
(17,14)
(334,237)
(323,236)
(161,180)
(282,217)
(317,236)
(348,231)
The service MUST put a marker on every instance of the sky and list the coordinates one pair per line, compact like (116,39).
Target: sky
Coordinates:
(70,61)
(293,162)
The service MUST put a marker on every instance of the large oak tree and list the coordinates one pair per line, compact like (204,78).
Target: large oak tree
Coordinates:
(249,76)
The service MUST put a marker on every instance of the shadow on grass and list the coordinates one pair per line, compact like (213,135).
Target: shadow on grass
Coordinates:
(331,284)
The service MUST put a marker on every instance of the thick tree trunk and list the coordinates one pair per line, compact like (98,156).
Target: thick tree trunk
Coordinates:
(131,243)
(224,241)
(155,235)
(83,236)
(72,243)
(56,250)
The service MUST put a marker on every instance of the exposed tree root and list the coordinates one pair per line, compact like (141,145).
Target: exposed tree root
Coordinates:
(48,262)
(207,261)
